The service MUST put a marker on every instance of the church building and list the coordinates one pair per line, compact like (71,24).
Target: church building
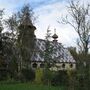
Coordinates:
(62,57)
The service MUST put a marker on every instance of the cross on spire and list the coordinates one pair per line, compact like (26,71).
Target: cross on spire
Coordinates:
(54,30)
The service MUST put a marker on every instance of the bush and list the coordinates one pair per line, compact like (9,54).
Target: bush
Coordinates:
(78,80)
(39,76)
(82,82)
(3,75)
(60,78)
(27,75)
(47,76)
(72,80)
(55,78)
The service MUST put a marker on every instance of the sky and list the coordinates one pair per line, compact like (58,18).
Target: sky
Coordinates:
(49,12)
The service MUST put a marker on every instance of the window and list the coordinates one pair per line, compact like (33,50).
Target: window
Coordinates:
(34,65)
(63,65)
(71,65)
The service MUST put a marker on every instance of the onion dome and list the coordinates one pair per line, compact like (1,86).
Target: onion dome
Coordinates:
(55,36)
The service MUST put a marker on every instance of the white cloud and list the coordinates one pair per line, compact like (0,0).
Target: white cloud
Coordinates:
(48,15)
(10,6)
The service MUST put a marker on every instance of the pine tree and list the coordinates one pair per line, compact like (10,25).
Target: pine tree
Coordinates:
(48,49)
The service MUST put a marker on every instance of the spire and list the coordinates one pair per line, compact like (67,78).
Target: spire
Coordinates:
(27,22)
(26,18)
(55,36)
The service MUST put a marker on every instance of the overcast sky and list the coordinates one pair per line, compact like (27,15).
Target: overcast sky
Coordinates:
(48,12)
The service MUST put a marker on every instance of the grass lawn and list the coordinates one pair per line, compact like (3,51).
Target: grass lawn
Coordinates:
(28,86)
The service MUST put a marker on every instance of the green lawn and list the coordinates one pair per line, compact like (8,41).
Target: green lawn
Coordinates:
(28,86)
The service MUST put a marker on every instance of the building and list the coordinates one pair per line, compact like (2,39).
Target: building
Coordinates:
(62,58)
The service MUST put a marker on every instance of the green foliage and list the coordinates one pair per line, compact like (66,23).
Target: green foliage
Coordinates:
(83,80)
(72,80)
(48,48)
(73,52)
(38,76)
(47,76)
(27,75)
(48,51)
(60,78)
(13,68)
(3,74)
(78,80)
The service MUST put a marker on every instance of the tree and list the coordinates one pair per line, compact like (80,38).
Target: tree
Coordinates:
(17,43)
(81,23)
(22,28)
(10,50)
(3,51)
(80,15)
(1,44)
(73,52)
(26,37)
(48,49)
(47,73)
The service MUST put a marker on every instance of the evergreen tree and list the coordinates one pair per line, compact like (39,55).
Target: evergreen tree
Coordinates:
(48,49)
(49,62)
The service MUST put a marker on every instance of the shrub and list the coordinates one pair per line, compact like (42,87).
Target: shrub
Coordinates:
(27,75)
(3,74)
(77,80)
(72,80)
(82,82)
(60,78)
(39,76)
(47,76)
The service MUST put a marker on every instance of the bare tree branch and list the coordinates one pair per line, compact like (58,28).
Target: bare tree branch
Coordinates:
(80,22)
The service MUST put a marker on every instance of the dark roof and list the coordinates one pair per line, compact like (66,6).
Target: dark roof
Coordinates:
(60,54)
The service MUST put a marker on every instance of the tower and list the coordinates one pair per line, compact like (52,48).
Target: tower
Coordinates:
(27,28)
(26,22)
(26,37)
